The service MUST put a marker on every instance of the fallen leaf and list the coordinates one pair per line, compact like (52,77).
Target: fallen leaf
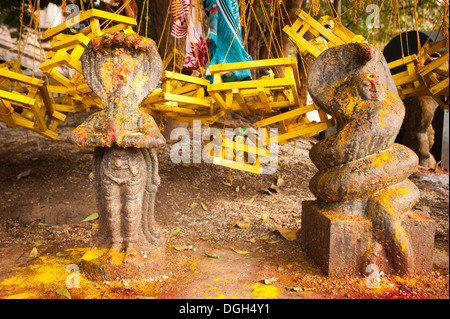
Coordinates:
(250,200)
(297,289)
(243,224)
(237,189)
(195,187)
(264,218)
(270,280)
(264,237)
(40,242)
(48,196)
(44,225)
(58,254)
(33,252)
(35,158)
(204,207)
(274,188)
(174,232)
(273,241)
(63,292)
(181,248)
(90,217)
(242,252)
(280,181)
(252,240)
(24,174)
(289,234)
(193,205)
(8,193)
(211,256)
(227,184)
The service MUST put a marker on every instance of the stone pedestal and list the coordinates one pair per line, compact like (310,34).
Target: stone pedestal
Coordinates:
(338,243)
(111,265)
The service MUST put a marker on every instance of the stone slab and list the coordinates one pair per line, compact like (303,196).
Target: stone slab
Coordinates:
(338,244)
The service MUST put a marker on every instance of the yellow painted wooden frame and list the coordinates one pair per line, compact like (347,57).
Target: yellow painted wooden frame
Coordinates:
(233,96)
(305,23)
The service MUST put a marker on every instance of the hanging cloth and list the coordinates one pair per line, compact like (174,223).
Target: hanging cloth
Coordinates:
(180,9)
(225,39)
(196,51)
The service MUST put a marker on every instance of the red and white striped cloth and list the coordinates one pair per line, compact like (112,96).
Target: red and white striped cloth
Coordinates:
(180,10)
(196,50)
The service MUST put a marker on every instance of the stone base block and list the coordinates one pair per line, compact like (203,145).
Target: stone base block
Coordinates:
(338,244)
(110,265)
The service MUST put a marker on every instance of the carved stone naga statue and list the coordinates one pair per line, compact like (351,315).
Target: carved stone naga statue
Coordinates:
(123,70)
(362,172)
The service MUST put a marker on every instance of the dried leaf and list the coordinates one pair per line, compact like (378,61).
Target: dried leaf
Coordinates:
(24,174)
(264,237)
(8,193)
(289,234)
(44,225)
(273,241)
(243,224)
(40,242)
(264,218)
(297,289)
(250,200)
(270,280)
(274,188)
(227,184)
(33,252)
(58,254)
(237,189)
(195,187)
(181,248)
(211,256)
(241,252)
(252,240)
(90,217)
(35,158)
(63,292)
(280,181)
(193,205)
(204,207)
(174,232)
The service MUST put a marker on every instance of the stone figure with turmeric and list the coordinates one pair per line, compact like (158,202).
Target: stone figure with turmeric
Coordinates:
(123,70)
(362,172)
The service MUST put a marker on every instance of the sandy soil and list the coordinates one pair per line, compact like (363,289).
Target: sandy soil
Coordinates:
(43,209)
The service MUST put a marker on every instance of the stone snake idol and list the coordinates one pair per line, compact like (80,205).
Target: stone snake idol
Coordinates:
(362,172)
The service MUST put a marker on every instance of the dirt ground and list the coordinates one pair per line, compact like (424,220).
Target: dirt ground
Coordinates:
(45,193)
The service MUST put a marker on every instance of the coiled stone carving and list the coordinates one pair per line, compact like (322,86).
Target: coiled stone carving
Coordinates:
(361,170)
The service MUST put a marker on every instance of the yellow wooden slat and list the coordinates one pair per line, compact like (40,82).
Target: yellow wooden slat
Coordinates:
(17,98)
(6,111)
(310,129)
(321,29)
(277,82)
(250,65)
(240,166)
(92,13)
(20,77)
(403,61)
(284,116)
